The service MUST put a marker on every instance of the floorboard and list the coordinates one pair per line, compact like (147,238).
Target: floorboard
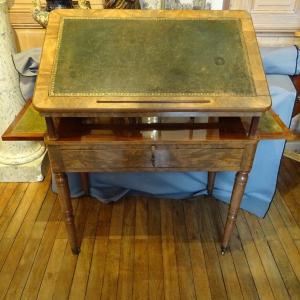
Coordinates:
(145,248)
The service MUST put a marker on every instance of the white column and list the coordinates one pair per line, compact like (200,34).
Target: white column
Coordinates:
(19,161)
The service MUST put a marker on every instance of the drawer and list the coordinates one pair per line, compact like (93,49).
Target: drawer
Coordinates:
(147,158)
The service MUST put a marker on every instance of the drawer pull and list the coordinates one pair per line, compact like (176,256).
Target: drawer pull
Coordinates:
(153,155)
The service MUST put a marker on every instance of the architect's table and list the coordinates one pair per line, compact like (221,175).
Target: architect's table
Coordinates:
(151,91)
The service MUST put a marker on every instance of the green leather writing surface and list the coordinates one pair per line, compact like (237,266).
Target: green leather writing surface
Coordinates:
(151,57)
(31,121)
(267,124)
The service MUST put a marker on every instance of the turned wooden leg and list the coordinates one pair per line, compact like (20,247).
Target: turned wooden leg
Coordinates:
(236,198)
(210,182)
(66,207)
(85,182)
(253,126)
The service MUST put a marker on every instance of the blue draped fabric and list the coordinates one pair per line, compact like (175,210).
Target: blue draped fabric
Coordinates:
(281,60)
(278,63)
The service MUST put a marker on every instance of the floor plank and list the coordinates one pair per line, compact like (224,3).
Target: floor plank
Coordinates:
(56,259)
(125,282)
(21,224)
(112,264)
(183,259)
(269,264)
(246,281)
(288,275)
(81,274)
(147,248)
(29,230)
(66,273)
(41,261)
(232,284)
(171,284)
(10,208)
(199,270)
(24,267)
(257,270)
(7,191)
(156,269)
(214,271)
(141,259)
(286,240)
(96,276)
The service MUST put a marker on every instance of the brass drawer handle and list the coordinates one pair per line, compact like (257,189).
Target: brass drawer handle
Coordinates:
(153,155)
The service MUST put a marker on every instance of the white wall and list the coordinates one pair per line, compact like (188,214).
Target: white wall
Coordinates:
(216,4)
(275,21)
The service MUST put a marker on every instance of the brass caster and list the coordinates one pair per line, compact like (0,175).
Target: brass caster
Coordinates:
(223,250)
(76,250)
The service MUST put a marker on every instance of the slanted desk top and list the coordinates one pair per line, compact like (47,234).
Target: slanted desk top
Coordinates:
(130,63)
(120,63)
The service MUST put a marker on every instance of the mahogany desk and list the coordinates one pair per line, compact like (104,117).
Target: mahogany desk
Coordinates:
(152,91)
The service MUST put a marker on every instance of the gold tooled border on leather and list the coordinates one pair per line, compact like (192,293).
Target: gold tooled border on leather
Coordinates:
(144,94)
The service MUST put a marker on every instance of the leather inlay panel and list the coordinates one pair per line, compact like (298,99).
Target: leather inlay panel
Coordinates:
(151,57)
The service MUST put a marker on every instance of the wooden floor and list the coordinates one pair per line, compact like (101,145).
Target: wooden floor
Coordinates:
(142,248)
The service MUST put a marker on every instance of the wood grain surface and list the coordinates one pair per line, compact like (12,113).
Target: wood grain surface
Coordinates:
(154,248)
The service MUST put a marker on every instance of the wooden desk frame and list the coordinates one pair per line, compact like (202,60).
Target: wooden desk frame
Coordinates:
(82,153)
(85,155)
(53,143)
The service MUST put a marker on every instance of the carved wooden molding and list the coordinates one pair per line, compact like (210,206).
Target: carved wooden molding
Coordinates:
(20,12)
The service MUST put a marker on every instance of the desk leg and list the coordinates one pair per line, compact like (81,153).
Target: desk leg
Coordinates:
(85,182)
(236,198)
(67,209)
(210,182)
